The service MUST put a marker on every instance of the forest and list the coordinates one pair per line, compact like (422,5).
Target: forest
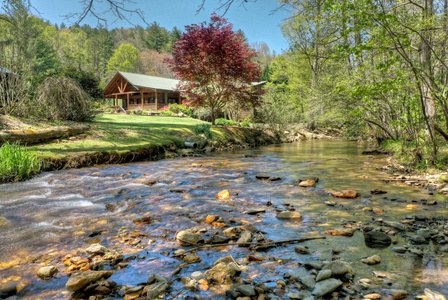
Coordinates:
(372,69)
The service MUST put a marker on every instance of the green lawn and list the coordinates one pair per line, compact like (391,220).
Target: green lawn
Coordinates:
(121,133)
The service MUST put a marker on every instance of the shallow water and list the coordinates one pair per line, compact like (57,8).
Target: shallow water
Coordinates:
(57,213)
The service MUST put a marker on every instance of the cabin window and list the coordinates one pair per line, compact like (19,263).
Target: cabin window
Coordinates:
(131,101)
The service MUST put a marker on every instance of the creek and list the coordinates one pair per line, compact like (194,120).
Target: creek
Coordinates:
(62,212)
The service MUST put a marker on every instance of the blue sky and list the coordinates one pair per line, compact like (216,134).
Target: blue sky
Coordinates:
(255,19)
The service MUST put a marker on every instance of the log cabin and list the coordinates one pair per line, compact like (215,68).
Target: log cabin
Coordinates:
(142,92)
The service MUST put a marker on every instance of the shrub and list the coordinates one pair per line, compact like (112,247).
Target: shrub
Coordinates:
(203,113)
(225,122)
(61,98)
(17,163)
(245,124)
(203,129)
(180,108)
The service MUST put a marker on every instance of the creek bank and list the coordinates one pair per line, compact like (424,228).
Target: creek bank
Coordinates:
(433,183)
(230,138)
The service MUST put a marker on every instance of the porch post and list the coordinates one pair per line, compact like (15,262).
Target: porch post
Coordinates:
(127,101)
(157,100)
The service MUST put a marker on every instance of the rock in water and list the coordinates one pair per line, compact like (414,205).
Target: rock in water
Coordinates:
(377,239)
(222,195)
(372,260)
(223,272)
(47,272)
(307,183)
(158,285)
(188,238)
(326,286)
(349,194)
(289,215)
(434,295)
(340,269)
(81,280)
(96,249)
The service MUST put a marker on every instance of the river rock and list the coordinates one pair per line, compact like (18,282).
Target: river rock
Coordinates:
(373,296)
(192,258)
(343,232)
(302,250)
(395,225)
(245,238)
(81,280)
(197,275)
(399,249)
(326,286)
(376,239)
(323,274)
(233,232)
(188,238)
(341,269)
(396,294)
(158,285)
(223,195)
(223,273)
(3,221)
(246,290)
(372,260)
(189,283)
(418,239)
(308,281)
(425,233)
(307,183)
(211,218)
(96,249)
(47,272)
(8,289)
(348,194)
(289,215)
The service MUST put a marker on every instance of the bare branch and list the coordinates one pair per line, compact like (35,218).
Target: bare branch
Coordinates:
(118,8)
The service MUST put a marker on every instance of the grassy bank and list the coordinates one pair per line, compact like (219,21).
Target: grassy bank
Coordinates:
(117,138)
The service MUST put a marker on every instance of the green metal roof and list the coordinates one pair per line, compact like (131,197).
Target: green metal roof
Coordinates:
(151,82)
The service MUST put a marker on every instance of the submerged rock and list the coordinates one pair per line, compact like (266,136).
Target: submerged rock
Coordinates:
(377,239)
(307,183)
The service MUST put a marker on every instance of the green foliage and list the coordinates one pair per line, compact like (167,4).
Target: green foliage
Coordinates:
(180,108)
(204,129)
(17,163)
(244,124)
(124,59)
(225,122)
(86,80)
(278,112)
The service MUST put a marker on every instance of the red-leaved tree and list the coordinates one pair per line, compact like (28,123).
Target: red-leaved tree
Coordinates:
(215,66)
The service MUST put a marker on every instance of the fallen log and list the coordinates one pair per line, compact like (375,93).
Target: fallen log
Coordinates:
(29,136)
